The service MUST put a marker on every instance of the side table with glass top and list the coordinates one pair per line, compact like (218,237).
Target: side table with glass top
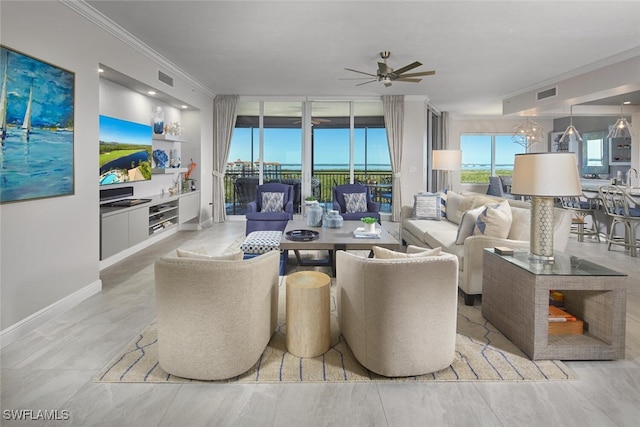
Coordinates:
(515,299)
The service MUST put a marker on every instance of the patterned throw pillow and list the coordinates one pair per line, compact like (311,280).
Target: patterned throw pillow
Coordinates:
(467,224)
(272,202)
(426,206)
(355,202)
(443,202)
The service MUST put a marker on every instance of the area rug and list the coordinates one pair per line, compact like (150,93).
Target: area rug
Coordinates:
(482,354)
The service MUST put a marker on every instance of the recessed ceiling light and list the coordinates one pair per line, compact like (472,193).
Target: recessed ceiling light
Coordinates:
(101,70)
(184,106)
(151,92)
(627,102)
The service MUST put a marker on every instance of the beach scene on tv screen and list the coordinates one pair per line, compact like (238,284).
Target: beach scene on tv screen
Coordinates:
(125,151)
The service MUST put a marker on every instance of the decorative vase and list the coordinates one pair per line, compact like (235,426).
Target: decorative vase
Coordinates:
(314,215)
(334,219)
(370,228)
(158,121)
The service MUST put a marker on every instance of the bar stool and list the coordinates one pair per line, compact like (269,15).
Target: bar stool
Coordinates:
(617,204)
(581,209)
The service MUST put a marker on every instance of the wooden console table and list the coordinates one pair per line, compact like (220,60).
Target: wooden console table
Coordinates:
(515,299)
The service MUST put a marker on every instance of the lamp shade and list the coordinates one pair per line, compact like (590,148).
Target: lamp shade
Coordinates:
(447,160)
(546,174)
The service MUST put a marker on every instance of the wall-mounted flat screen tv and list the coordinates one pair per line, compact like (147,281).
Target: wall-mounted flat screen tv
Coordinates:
(125,151)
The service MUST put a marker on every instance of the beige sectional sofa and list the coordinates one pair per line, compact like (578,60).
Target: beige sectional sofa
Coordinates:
(444,233)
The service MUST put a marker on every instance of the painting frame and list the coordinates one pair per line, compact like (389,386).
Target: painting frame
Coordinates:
(37,116)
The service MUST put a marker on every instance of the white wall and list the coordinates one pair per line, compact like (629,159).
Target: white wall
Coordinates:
(50,248)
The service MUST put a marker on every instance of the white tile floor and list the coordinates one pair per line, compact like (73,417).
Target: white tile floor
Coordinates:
(53,367)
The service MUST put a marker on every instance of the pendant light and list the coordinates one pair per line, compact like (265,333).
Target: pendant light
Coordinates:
(622,129)
(527,133)
(571,131)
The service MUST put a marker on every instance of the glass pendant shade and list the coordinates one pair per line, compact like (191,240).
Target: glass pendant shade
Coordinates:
(622,128)
(571,131)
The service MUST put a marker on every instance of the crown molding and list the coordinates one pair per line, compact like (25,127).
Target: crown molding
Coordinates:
(97,18)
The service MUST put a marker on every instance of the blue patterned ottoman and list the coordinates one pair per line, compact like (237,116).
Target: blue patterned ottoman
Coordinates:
(260,242)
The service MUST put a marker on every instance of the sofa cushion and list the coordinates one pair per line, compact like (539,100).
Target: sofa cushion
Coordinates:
(467,224)
(426,206)
(201,254)
(494,220)
(272,201)
(520,224)
(355,202)
(383,253)
(453,203)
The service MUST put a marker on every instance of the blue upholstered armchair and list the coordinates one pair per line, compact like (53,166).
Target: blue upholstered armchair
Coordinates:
(268,212)
(352,210)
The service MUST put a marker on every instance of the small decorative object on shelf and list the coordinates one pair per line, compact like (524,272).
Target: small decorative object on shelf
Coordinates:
(334,220)
(503,250)
(161,158)
(173,129)
(158,121)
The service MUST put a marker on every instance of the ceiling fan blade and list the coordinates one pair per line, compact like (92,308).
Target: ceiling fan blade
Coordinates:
(387,84)
(383,68)
(407,68)
(370,81)
(361,72)
(356,78)
(424,73)
(402,79)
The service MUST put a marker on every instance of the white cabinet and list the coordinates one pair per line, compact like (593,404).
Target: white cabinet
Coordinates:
(114,234)
(122,228)
(189,207)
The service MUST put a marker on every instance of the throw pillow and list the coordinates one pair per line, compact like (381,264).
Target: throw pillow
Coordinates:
(467,224)
(494,221)
(383,253)
(412,249)
(426,206)
(444,194)
(200,253)
(272,202)
(355,202)
(520,224)
(453,202)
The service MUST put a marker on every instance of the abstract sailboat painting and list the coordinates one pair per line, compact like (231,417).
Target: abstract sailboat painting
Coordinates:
(36,128)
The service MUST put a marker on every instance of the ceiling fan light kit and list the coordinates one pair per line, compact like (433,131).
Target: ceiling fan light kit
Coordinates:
(386,74)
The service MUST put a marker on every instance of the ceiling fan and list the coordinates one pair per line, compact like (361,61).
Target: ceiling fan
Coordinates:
(386,74)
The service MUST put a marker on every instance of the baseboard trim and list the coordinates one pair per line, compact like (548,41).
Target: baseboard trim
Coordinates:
(28,324)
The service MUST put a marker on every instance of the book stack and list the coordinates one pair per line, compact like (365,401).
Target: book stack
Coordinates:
(359,233)
(563,323)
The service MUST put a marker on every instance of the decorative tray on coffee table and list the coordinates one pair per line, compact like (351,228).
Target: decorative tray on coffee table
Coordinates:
(302,235)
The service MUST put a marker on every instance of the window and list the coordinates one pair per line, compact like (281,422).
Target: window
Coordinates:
(485,155)
(273,132)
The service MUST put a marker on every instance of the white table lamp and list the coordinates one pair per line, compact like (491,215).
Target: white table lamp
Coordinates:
(544,176)
(447,160)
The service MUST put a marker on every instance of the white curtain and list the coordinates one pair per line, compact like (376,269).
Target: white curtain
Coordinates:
(224,121)
(393,106)
(443,175)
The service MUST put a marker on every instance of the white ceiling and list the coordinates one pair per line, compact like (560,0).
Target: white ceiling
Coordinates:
(482,51)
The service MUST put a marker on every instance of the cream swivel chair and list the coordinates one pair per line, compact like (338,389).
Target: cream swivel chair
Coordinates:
(398,316)
(215,317)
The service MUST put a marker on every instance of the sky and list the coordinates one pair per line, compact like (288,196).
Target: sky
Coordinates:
(476,149)
(116,130)
(331,145)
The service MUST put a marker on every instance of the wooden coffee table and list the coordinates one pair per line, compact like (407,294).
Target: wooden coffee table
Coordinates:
(333,239)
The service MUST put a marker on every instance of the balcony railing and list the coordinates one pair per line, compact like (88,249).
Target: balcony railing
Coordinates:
(240,186)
